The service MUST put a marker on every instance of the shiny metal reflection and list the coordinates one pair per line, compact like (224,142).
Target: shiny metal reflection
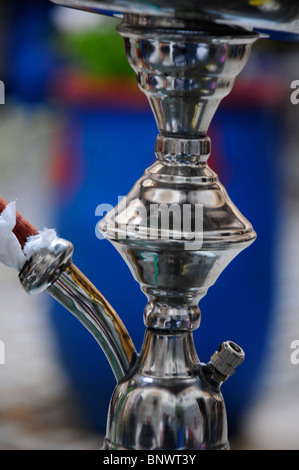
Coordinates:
(272,15)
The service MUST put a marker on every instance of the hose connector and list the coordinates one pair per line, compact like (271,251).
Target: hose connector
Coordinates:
(227,358)
(46,265)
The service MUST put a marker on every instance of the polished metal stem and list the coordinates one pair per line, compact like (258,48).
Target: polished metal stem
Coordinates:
(75,292)
(51,269)
(185,71)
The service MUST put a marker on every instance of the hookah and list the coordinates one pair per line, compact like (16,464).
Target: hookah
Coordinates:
(186,56)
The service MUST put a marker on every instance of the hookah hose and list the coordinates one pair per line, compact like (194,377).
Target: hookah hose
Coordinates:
(44,262)
(23,229)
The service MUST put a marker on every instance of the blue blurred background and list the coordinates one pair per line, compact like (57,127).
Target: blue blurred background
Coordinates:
(77,133)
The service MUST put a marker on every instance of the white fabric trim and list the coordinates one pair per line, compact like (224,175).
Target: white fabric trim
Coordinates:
(11,253)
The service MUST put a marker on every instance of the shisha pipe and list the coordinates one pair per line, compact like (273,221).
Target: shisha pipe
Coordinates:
(48,266)
(186,57)
(185,70)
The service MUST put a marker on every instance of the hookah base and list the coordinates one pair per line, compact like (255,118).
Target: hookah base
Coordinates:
(108,445)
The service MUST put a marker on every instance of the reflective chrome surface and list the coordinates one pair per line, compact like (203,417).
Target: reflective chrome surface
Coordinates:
(185,73)
(75,292)
(46,265)
(165,392)
(165,398)
(175,272)
(169,401)
(184,70)
(279,15)
(169,395)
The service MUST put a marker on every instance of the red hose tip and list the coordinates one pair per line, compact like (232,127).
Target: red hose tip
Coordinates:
(23,229)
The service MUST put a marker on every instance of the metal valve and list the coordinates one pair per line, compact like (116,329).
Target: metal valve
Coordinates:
(227,358)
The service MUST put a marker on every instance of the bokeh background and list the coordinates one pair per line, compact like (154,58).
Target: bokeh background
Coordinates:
(76,132)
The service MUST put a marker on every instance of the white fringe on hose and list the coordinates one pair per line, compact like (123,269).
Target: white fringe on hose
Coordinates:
(11,253)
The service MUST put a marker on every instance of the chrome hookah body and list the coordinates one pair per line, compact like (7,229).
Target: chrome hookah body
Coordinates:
(185,71)
(165,398)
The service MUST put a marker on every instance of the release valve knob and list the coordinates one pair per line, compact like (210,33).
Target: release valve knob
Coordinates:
(227,358)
